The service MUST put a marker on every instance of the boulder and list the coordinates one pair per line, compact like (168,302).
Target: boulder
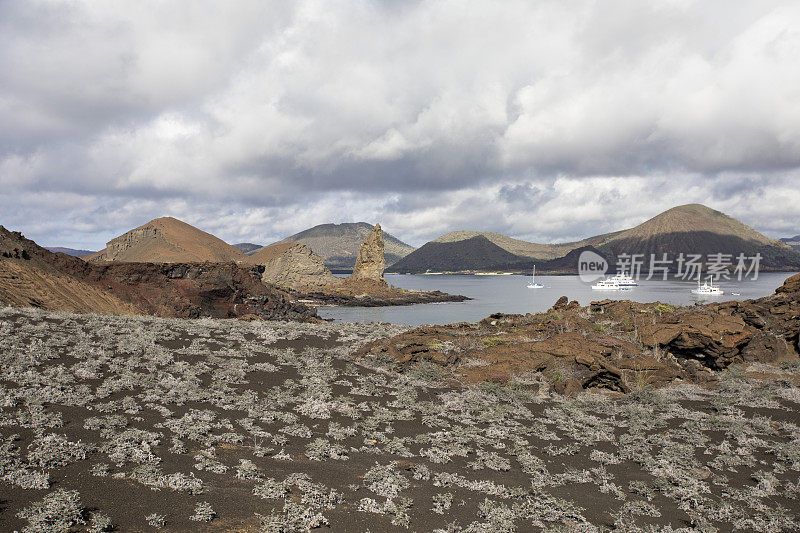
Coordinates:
(292,265)
(714,338)
(767,348)
(570,387)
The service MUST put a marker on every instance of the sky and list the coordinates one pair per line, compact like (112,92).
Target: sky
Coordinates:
(546,120)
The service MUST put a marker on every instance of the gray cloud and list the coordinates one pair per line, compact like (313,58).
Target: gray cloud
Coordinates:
(548,120)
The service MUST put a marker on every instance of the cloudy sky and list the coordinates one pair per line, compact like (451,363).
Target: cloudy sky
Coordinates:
(545,120)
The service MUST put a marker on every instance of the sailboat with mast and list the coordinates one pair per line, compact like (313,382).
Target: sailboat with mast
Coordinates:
(533,284)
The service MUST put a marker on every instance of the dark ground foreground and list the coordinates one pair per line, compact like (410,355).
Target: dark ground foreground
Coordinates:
(223,425)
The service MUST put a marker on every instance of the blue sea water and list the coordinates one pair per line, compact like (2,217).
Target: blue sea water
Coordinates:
(509,294)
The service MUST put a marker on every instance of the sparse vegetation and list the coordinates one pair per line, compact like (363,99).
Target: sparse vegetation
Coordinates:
(57,511)
(203,513)
(493,341)
(143,423)
(664,308)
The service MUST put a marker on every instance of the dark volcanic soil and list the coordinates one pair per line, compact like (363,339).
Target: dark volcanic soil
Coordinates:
(276,427)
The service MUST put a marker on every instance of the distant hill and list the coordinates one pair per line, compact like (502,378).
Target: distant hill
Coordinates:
(567,264)
(338,244)
(247,247)
(167,240)
(697,229)
(475,253)
(71,251)
(688,229)
(794,242)
(523,248)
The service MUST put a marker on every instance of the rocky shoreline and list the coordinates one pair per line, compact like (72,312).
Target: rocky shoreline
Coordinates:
(392,297)
(617,345)
(366,286)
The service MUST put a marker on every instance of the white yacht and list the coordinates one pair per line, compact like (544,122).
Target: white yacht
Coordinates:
(533,284)
(624,280)
(608,284)
(707,288)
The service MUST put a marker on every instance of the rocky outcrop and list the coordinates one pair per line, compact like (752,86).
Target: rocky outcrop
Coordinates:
(370,262)
(613,344)
(51,281)
(292,266)
(715,338)
(193,290)
(790,286)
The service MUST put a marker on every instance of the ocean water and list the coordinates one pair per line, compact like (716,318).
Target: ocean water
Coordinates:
(509,294)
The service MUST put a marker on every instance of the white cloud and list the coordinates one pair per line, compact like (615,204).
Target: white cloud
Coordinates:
(433,116)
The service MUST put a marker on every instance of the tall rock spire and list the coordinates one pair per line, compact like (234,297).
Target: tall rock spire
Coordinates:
(370,262)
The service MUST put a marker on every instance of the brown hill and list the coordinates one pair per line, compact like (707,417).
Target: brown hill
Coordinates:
(33,276)
(268,253)
(691,218)
(565,265)
(697,229)
(687,229)
(167,240)
(28,278)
